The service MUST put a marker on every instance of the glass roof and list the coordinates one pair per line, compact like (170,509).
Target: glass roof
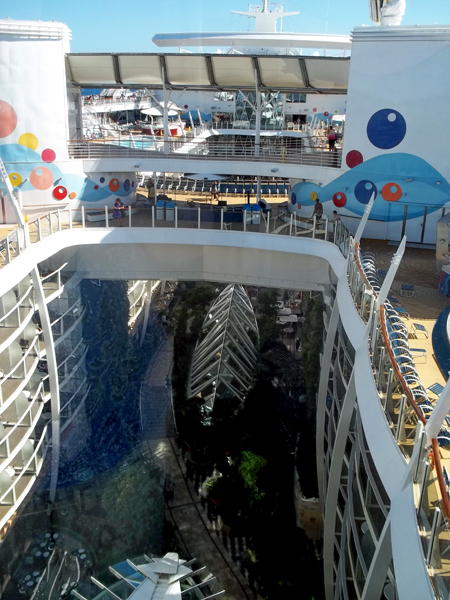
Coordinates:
(201,71)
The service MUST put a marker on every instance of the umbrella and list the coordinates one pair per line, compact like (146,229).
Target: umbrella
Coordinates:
(155,111)
(208,176)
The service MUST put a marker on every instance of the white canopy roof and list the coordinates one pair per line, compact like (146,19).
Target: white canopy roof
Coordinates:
(206,72)
(154,111)
(257,39)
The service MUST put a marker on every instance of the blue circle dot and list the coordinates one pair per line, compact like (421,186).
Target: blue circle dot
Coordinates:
(386,128)
(102,180)
(363,191)
(126,185)
(293,198)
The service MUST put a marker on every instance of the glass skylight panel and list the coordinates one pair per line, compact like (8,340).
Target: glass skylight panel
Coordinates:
(144,70)
(187,70)
(92,68)
(281,72)
(234,71)
(328,73)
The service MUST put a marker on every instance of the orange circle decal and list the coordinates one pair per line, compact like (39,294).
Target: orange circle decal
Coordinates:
(41,178)
(114,185)
(391,192)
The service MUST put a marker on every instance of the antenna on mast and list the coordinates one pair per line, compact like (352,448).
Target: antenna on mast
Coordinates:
(265,20)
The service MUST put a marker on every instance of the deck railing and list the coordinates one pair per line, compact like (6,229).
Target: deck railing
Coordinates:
(285,152)
(406,404)
(200,217)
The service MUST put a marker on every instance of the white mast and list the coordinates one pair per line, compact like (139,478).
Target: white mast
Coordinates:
(265,20)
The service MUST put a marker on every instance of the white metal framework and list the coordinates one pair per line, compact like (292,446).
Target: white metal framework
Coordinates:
(225,355)
(165,578)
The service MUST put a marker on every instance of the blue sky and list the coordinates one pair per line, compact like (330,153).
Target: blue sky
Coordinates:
(115,25)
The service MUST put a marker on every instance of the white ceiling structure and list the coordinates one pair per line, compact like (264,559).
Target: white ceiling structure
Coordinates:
(210,72)
(225,356)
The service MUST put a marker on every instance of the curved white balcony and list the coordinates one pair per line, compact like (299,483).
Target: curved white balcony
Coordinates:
(251,256)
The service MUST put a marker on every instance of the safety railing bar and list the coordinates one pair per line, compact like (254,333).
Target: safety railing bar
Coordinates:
(25,467)
(17,306)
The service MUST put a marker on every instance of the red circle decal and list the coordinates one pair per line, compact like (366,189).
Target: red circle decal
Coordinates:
(339,199)
(59,192)
(391,192)
(48,155)
(353,158)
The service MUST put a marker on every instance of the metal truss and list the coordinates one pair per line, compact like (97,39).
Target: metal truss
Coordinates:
(225,355)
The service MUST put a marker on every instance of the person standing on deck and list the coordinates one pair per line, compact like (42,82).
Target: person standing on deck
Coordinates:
(318,210)
(214,194)
(118,211)
(331,138)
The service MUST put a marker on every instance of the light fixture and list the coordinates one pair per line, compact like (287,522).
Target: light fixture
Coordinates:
(274,170)
(408,180)
(57,181)
(137,165)
(438,183)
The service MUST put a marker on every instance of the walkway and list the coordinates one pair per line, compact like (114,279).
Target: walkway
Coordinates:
(183,507)
(156,406)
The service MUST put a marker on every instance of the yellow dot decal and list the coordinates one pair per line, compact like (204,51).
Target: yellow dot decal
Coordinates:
(29,140)
(15,179)
(313,195)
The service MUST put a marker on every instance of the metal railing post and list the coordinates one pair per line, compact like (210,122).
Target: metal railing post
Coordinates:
(39,229)
(83,222)
(314,227)
(50,222)
(59,220)
(290,224)
(70,218)
(198,217)
(8,252)
(268,222)
(244,215)
(106,218)
(153,215)
(326,229)
(129,216)
(176,217)
(221,219)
